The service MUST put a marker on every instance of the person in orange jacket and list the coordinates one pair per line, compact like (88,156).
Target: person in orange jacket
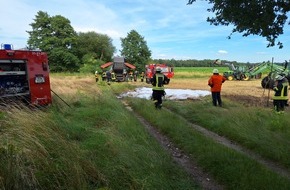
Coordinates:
(215,82)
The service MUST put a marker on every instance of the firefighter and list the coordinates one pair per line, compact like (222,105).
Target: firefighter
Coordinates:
(158,82)
(104,76)
(97,76)
(113,76)
(280,97)
(109,77)
(135,75)
(215,82)
(142,76)
(125,76)
(131,75)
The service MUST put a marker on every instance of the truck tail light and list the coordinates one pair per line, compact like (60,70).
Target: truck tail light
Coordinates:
(39,79)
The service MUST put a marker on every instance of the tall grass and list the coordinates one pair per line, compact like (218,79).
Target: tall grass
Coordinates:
(95,142)
(35,154)
(92,143)
(234,170)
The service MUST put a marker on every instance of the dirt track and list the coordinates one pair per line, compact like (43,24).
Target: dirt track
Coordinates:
(190,166)
(249,93)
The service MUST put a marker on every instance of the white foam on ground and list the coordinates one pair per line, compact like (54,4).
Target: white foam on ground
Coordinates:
(172,94)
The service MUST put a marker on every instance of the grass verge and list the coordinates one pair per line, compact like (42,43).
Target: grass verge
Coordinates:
(93,144)
(234,170)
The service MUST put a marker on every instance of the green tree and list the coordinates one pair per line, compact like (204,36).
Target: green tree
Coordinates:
(97,45)
(55,36)
(62,60)
(135,49)
(91,64)
(265,18)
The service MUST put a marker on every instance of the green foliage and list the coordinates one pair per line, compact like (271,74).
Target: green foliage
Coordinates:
(135,49)
(51,32)
(98,46)
(55,36)
(90,64)
(61,60)
(264,18)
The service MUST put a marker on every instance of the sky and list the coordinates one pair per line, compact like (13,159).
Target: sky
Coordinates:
(172,29)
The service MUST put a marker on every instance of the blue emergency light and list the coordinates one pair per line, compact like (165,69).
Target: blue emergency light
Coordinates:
(7,46)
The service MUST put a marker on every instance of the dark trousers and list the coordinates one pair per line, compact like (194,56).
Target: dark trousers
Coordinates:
(216,98)
(157,95)
(279,105)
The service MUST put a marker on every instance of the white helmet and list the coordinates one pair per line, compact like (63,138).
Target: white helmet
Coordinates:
(215,71)
(279,77)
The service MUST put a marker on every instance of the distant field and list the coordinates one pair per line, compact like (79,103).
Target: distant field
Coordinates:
(196,72)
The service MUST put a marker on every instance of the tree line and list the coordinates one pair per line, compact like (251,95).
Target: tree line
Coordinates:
(86,51)
(69,51)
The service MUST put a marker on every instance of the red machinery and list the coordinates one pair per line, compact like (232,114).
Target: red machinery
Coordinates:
(119,66)
(151,70)
(24,74)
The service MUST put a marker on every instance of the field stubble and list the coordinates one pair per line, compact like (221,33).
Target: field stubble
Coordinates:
(249,93)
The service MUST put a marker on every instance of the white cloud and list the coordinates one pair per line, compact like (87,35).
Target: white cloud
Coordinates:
(171,29)
(222,52)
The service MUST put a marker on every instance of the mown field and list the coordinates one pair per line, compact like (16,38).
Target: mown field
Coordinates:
(96,143)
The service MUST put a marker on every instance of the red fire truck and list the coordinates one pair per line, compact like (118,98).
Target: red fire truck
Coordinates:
(24,74)
(151,70)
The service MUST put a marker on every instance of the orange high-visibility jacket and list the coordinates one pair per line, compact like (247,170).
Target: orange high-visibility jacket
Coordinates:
(215,82)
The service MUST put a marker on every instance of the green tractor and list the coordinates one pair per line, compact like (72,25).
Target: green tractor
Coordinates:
(235,72)
(268,81)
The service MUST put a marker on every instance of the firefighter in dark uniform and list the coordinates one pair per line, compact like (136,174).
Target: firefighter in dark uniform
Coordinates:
(104,76)
(158,82)
(142,75)
(280,97)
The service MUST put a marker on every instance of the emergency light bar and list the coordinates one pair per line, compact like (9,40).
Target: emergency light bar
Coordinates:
(6,46)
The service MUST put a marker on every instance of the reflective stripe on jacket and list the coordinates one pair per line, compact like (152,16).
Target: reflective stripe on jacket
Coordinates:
(281,91)
(158,81)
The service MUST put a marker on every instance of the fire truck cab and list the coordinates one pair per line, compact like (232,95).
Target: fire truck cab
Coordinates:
(24,74)
(150,70)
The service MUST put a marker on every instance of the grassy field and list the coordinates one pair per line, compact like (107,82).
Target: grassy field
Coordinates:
(96,143)
(196,72)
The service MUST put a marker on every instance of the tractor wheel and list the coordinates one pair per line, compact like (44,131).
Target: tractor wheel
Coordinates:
(230,77)
(245,77)
(267,82)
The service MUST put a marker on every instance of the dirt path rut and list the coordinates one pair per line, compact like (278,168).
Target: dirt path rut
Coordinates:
(222,140)
(203,179)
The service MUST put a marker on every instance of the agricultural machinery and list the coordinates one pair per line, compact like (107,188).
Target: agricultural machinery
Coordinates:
(268,81)
(150,70)
(24,75)
(241,72)
(244,74)
(119,67)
